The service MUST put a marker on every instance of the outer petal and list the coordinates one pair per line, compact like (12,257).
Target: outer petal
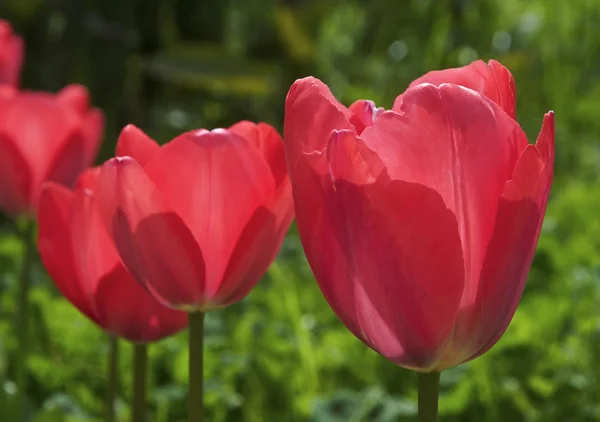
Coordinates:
(257,247)
(311,114)
(56,249)
(153,242)
(16,179)
(42,131)
(95,254)
(269,143)
(262,237)
(11,54)
(112,288)
(133,142)
(460,144)
(512,247)
(69,161)
(491,80)
(402,253)
(321,245)
(129,311)
(215,181)
(77,99)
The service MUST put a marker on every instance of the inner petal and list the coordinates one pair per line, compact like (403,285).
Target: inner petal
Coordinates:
(364,114)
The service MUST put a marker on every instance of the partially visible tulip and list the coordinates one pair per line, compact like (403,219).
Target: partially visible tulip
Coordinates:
(420,223)
(198,220)
(83,263)
(44,137)
(11,55)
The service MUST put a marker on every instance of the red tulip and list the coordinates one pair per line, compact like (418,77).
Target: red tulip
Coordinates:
(83,262)
(420,223)
(199,220)
(11,55)
(44,137)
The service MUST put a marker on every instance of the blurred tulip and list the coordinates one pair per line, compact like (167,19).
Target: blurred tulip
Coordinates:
(84,264)
(199,220)
(420,223)
(44,137)
(11,55)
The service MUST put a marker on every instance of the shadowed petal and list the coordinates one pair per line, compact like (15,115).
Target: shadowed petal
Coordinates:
(145,321)
(15,189)
(460,144)
(153,242)
(402,252)
(215,181)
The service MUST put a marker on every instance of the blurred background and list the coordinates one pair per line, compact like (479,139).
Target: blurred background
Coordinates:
(281,355)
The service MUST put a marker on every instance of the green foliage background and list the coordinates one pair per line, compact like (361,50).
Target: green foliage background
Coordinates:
(281,355)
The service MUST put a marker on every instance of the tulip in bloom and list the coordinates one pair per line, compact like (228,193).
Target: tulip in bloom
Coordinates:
(420,223)
(44,137)
(11,55)
(83,262)
(198,220)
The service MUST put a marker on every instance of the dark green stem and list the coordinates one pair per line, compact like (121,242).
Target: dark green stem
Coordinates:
(140,364)
(23,313)
(429,388)
(195,398)
(113,378)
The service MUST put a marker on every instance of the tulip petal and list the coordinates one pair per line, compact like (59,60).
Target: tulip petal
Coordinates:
(364,114)
(77,98)
(311,114)
(321,244)
(133,142)
(390,232)
(56,248)
(512,247)
(88,178)
(146,321)
(215,181)
(491,80)
(93,128)
(460,144)
(45,134)
(69,161)
(15,189)
(153,242)
(269,143)
(11,54)
(95,254)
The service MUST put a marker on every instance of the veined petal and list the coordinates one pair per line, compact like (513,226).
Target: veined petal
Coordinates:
(463,146)
(153,242)
(266,139)
(402,254)
(215,181)
(491,80)
(510,252)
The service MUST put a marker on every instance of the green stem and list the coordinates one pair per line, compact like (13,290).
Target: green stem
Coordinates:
(195,398)
(429,388)
(23,313)
(140,364)
(113,378)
